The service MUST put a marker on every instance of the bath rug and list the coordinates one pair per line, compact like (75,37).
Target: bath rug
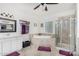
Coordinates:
(13,54)
(66,53)
(42,48)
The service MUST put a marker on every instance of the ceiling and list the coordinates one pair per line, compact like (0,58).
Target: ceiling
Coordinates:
(27,9)
(52,9)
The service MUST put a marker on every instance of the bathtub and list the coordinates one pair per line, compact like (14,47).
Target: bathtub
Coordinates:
(41,36)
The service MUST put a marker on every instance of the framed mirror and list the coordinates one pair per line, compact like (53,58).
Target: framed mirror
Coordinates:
(7,25)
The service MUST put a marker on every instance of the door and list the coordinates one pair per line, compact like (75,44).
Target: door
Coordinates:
(65,34)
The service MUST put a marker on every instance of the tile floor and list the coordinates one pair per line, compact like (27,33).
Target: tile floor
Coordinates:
(31,51)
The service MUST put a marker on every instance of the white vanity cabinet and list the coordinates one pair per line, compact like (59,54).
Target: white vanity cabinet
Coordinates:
(8,45)
(11,44)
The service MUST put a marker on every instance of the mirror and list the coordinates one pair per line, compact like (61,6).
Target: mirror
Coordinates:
(7,25)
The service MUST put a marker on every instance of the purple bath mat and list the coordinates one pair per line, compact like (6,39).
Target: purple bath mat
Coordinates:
(66,53)
(42,48)
(13,54)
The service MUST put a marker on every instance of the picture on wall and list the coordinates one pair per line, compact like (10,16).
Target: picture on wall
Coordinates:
(7,25)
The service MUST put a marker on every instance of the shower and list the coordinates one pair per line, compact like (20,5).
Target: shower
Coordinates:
(65,28)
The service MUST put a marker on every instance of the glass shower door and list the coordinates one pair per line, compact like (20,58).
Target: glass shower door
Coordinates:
(65,33)
(58,33)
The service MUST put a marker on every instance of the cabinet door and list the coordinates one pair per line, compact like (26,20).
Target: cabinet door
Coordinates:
(19,44)
(16,45)
(13,44)
(6,47)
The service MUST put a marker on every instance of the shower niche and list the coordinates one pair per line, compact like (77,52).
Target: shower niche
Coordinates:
(65,32)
